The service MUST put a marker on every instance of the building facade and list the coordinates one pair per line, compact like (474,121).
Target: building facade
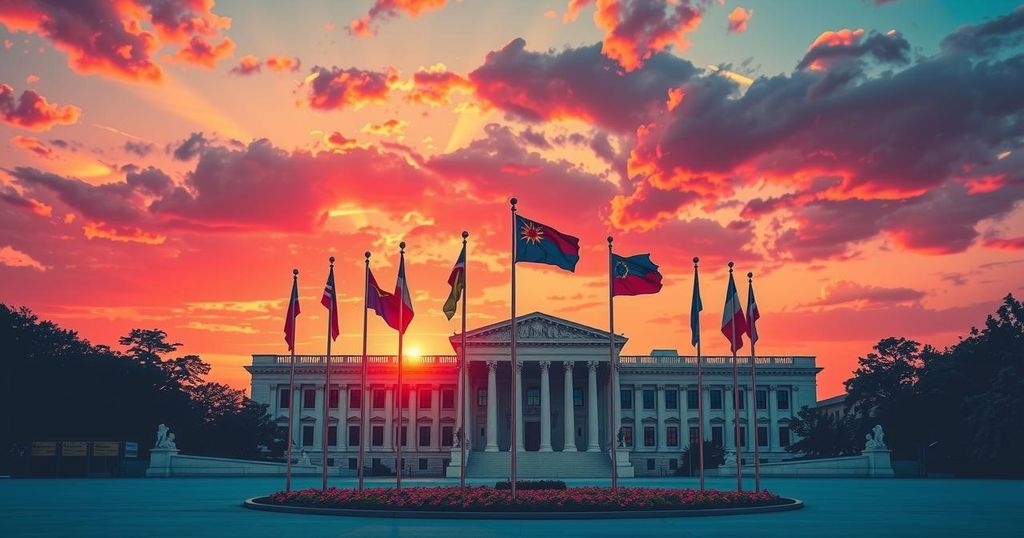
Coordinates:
(562,403)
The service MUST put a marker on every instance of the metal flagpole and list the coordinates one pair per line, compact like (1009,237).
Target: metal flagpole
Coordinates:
(362,375)
(512,346)
(463,372)
(735,393)
(291,388)
(700,386)
(753,382)
(612,369)
(401,334)
(327,376)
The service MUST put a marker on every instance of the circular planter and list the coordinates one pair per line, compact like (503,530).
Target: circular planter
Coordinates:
(256,503)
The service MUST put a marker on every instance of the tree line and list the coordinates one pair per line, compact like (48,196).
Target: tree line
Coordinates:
(58,386)
(956,410)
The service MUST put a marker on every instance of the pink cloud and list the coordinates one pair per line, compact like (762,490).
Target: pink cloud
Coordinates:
(635,30)
(383,10)
(337,88)
(738,19)
(33,111)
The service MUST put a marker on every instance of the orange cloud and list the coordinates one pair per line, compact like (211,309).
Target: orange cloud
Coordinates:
(738,18)
(1011,243)
(281,64)
(33,111)
(248,65)
(33,145)
(386,9)
(391,127)
(201,52)
(636,30)
(100,230)
(336,88)
(435,85)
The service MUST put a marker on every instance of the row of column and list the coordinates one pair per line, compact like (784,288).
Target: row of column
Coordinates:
(569,442)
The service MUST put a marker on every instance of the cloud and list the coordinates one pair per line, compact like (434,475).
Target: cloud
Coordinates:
(435,85)
(33,111)
(120,39)
(282,64)
(635,30)
(190,147)
(834,46)
(251,65)
(139,148)
(1001,32)
(383,10)
(12,197)
(738,19)
(247,65)
(390,128)
(34,146)
(338,89)
(15,258)
(576,83)
(847,293)
(1008,243)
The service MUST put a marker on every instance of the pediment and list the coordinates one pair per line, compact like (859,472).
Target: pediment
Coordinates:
(538,327)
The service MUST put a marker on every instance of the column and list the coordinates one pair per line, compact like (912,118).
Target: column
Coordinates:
(592,442)
(460,401)
(660,432)
(545,407)
(411,435)
(617,395)
(569,410)
(751,419)
(435,430)
(318,410)
(519,405)
(705,403)
(366,430)
(389,423)
(296,417)
(342,417)
(469,398)
(773,410)
(729,436)
(492,407)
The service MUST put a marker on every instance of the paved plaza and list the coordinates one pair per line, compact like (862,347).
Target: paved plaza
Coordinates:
(212,507)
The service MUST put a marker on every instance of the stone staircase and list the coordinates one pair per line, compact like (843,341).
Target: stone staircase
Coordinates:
(540,465)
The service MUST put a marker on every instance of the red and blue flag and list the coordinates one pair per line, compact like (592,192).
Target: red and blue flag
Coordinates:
(634,275)
(540,243)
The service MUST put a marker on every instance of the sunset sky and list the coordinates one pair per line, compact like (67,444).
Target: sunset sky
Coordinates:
(167,163)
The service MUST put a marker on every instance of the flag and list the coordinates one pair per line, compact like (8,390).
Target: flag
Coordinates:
(330,302)
(457,280)
(695,308)
(293,312)
(752,315)
(539,243)
(379,301)
(732,317)
(635,275)
(402,294)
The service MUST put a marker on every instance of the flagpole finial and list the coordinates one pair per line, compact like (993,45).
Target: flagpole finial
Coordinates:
(610,239)
(295,273)
(401,246)
(367,254)
(750,276)
(730,266)
(695,261)
(465,234)
(331,260)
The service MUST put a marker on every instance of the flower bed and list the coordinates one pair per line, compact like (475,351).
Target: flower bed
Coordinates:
(488,499)
(526,485)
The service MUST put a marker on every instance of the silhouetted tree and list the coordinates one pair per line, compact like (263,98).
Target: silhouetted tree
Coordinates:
(820,435)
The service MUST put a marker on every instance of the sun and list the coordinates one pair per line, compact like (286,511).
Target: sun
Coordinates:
(412,354)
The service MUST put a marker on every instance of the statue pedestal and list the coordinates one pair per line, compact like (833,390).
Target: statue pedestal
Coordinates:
(879,463)
(160,462)
(623,467)
(455,463)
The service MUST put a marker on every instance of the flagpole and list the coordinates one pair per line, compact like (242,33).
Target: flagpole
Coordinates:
(753,382)
(401,334)
(362,375)
(463,372)
(700,388)
(291,386)
(327,378)
(612,369)
(512,346)
(735,395)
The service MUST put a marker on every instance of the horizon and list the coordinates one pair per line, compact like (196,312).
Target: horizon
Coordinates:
(862,160)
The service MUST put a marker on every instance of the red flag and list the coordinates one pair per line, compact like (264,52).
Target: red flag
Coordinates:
(733,323)
(293,312)
(330,301)
(752,315)
(402,294)
(380,301)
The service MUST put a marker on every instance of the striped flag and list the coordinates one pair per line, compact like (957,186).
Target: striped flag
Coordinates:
(402,293)
(752,315)
(733,323)
(457,280)
(330,301)
(293,312)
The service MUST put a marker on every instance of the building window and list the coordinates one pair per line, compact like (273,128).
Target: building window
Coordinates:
(782,398)
(309,398)
(672,436)
(377,436)
(353,435)
(716,399)
(577,397)
(673,464)
(424,463)
(448,399)
(743,436)
(671,399)
(404,435)
(307,435)
(762,436)
(692,399)
(783,436)
(379,399)
(648,395)
(355,398)
(332,436)
(761,398)
(353,463)
(405,397)
(650,464)
(481,397)
(626,398)
(533,396)
(424,435)
(627,436)
(447,436)
(650,436)
(716,436)
(742,398)
(425,396)
(284,400)
(333,398)
(694,435)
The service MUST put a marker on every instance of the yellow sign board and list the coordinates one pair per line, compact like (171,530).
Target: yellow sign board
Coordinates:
(44,448)
(74,449)
(106,449)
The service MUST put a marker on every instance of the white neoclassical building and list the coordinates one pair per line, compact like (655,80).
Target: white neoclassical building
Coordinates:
(562,424)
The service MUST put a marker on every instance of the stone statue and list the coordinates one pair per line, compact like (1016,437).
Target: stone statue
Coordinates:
(458,438)
(164,438)
(304,458)
(875,439)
